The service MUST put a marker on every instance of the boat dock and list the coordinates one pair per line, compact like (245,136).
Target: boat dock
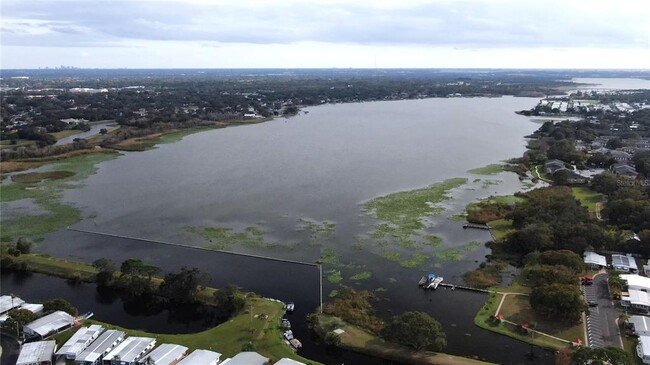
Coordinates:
(454,287)
(477,226)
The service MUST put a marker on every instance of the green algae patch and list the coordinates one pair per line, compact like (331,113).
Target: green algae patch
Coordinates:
(491,169)
(334,276)
(415,261)
(222,238)
(323,229)
(449,255)
(330,256)
(35,177)
(46,189)
(433,241)
(361,276)
(488,182)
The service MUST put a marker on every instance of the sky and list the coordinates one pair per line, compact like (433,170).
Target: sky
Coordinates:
(325,34)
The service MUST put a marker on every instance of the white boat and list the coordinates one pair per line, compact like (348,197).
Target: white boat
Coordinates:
(434,284)
(288,335)
(290,307)
(295,343)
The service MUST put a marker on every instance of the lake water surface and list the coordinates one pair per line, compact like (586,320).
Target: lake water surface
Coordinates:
(319,166)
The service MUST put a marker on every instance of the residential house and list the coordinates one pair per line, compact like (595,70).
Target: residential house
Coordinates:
(129,351)
(46,325)
(624,263)
(79,341)
(624,170)
(620,156)
(165,354)
(552,166)
(247,358)
(95,352)
(594,260)
(640,324)
(37,353)
(643,349)
(202,357)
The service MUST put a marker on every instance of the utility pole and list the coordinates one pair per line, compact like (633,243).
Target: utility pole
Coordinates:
(320,277)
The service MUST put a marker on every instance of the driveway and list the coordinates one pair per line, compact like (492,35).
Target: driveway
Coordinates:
(10,350)
(602,330)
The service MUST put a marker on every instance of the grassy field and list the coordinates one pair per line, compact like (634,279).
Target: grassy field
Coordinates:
(492,169)
(65,133)
(501,228)
(150,142)
(356,339)
(589,199)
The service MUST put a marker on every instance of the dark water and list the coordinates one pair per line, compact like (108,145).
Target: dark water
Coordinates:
(319,166)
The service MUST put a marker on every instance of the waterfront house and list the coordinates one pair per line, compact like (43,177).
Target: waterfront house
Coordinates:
(79,341)
(246,358)
(165,354)
(285,361)
(51,323)
(129,351)
(202,357)
(624,263)
(594,260)
(37,353)
(9,302)
(554,165)
(94,354)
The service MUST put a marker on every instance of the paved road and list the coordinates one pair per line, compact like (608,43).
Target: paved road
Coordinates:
(602,329)
(10,350)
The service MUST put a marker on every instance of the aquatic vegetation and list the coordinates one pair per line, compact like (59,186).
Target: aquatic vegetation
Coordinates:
(491,169)
(361,276)
(334,276)
(415,261)
(392,280)
(449,255)
(333,294)
(223,238)
(473,245)
(487,183)
(391,256)
(324,229)
(46,189)
(330,256)
(458,217)
(433,241)
(405,209)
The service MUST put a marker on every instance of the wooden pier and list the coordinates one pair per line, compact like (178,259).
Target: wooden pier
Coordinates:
(477,226)
(453,287)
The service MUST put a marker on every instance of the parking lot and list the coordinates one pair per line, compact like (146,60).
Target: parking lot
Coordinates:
(602,329)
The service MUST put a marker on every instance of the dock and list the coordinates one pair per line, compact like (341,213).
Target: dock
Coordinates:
(469,288)
(477,226)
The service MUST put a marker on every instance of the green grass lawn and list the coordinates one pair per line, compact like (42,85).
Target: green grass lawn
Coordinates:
(65,133)
(357,339)
(588,198)
(259,324)
(501,228)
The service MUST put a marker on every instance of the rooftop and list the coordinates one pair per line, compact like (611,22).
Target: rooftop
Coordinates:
(626,261)
(636,281)
(36,352)
(637,297)
(100,345)
(286,361)
(593,258)
(202,357)
(246,358)
(131,349)
(50,323)
(644,345)
(80,340)
(7,303)
(166,353)
(640,323)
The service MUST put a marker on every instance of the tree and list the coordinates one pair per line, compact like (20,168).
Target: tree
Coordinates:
(181,287)
(60,304)
(532,237)
(17,318)
(417,330)
(103,131)
(106,269)
(540,275)
(229,300)
(601,356)
(559,301)
(332,339)
(566,258)
(24,245)
(605,183)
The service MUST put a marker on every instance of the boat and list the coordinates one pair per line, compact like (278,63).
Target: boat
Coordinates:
(286,324)
(290,307)
(434,284)
(426,280)
(288,335)
(295,343)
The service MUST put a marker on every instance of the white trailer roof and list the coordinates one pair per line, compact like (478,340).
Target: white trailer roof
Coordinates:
(246,358)
(286,361)
(641,323)
(131,349)
(166,353)
(201,357)
(100,346)
(636,281)
(80,340)
(36,352)
(8,303)
(50,323)
(592,258)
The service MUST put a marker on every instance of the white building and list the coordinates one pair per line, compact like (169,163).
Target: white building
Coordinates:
(8,302)
(201,357)
(247,358)
(643,349)
(286,361)
(37,353)
(79,341)
(636,299)
(51,323)
(624,263)
(636,282)
(94,353)
(594,260)
(641,325)
(165,354)
(34,308)
(129,351)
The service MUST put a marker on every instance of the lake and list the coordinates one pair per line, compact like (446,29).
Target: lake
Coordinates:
(290,178)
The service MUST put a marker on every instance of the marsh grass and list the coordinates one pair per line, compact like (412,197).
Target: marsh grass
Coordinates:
(492,169)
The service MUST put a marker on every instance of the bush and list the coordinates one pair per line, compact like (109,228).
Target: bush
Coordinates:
(332,339)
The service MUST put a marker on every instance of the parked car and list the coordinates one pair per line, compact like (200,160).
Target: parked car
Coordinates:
(592,303)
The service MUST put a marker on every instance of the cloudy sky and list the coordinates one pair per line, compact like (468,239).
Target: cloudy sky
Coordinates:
(325,33)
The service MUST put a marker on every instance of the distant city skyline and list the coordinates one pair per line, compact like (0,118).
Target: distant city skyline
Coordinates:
(324,34)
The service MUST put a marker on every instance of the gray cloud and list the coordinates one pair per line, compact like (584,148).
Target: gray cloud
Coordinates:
(473,24)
